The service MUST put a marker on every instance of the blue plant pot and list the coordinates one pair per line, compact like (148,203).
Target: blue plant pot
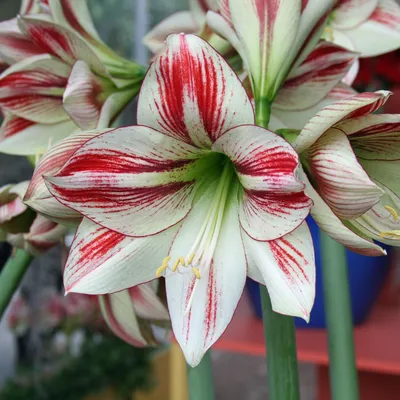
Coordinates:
(366,278)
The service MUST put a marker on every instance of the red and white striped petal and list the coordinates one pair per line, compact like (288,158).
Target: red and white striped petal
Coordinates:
(74,14)
(133,180)
(33,89)
(119,314)
(147,304)
(14,45)
(102,261)
(374,137)
(85,95)
(61,42)
(351,13)
(38,196)
(23,137)
(273,201)
(357,106)
(29,6)
(298,119)
(267,32)
(314,15)
(180,22)
(309,83)
(381,33)
(201,309)
(191,93)
(339,178)
(334,227)
(286,266)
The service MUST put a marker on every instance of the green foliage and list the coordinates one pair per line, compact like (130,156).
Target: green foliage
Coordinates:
(102,364)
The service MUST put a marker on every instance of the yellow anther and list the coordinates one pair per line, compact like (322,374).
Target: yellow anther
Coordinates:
(181,261)
(196,272)
(388,234)
(329,33)
(160,270)
(393,212)
(166,261)
(190,259)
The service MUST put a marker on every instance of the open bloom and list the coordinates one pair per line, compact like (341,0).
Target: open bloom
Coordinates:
(370,27)
(197,194)
(48,96)
(272,37)
(21,227)
(351,159)
(137,315)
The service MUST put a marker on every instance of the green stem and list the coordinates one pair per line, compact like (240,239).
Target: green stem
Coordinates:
(263,112)
(343,371)
(11,276)
(280,336)
(280,333)
(200,378)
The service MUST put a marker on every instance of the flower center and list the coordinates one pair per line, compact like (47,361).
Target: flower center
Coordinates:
(394,234)
(199,257)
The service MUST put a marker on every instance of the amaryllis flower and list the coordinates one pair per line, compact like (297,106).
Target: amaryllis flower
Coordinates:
(195,193)
(47,97)
(370,27)
(351,159)
(135,314)
(272,37)
(21,227)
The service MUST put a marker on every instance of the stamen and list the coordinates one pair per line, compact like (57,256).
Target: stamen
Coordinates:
(189,304)
(393,212)
(181,261)
(160,270)
(196,272)
(190,259)
(389,234)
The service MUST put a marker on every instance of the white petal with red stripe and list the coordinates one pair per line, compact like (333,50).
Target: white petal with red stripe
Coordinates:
(351,13)
(133,180)
(315,77)
(74,14)
(273,202)
(267,31)
(339,178)
(33,89)
(192,94)
(334,227)
(201,309)
(118,312)
(103,261)
(14,45)
(357,106)
(85,95)
(61,42)
(286,266)
(381,33)
(23,137)
(147,304)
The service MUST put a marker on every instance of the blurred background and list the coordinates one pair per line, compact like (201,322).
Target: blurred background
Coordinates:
(58,348)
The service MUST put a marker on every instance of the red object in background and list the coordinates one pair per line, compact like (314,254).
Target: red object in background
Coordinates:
(393,104)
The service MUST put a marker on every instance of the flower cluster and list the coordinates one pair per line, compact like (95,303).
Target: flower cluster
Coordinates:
(214,183)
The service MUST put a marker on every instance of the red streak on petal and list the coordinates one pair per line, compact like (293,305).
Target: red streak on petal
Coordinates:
(210,321)
(14,126)
(32,80)
(118,162)
(385,17)
(283,251)
(72,19)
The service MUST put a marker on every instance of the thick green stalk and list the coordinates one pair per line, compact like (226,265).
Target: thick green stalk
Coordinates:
(201,384)
(342,365)
(11,277)
(280,333)
(280,336)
